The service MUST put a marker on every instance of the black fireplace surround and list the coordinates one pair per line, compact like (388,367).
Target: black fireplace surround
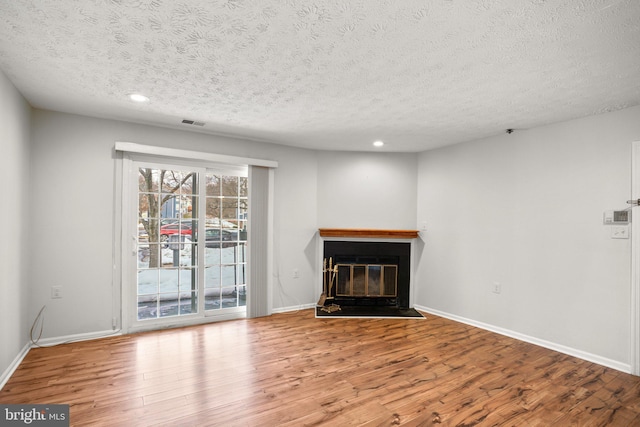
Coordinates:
(358,252)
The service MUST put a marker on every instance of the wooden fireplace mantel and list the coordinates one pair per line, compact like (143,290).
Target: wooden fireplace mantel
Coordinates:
(368,233)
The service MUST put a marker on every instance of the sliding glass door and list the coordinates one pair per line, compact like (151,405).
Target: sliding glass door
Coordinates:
(190,242)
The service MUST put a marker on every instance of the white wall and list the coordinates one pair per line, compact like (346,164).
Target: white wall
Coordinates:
(522,209)
(525,210)
(295,226)
(15,117)
(367,190)
(72,209)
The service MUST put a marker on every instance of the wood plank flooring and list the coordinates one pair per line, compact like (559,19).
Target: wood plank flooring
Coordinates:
(292,369)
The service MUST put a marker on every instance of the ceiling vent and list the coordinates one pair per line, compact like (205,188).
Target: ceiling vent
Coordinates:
(192,122)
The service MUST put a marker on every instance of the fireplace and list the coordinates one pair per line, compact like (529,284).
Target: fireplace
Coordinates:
(368,267)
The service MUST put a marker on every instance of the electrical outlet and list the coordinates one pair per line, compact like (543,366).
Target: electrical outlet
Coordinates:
(497,287)
(620,232)
(56,292)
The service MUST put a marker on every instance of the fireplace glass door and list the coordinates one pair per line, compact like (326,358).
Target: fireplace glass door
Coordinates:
(367,280)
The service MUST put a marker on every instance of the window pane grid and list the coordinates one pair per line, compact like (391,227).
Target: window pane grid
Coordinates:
(225,254)
(167,242)
(167,261)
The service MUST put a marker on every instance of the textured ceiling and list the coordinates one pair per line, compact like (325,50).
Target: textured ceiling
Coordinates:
(337,74)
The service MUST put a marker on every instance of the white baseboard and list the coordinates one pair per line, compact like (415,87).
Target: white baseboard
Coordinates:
(293,308)
(614,364)
(14,365)
(48,342)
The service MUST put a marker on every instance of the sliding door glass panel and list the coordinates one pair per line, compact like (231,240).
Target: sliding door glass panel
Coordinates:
(226,241)
(167,243)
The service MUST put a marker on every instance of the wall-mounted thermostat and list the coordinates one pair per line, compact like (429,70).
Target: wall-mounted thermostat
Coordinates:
(617,217)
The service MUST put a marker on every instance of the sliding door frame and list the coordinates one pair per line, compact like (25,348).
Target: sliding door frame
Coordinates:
(126,154)
(634,338)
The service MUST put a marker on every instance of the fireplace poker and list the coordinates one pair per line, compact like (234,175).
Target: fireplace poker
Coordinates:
(333,271)
(323,297)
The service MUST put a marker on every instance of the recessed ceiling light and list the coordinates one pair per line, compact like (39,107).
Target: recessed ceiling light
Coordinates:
(378,144)
(138,97)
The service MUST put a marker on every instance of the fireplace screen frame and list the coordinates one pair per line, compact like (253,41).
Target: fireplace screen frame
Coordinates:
(367,280)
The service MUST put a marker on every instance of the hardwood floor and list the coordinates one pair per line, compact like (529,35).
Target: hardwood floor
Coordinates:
(292,369)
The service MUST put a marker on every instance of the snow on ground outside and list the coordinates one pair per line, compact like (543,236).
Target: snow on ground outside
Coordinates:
(170,280)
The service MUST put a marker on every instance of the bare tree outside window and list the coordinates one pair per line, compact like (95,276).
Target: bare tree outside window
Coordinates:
(158,188)
(227,200)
